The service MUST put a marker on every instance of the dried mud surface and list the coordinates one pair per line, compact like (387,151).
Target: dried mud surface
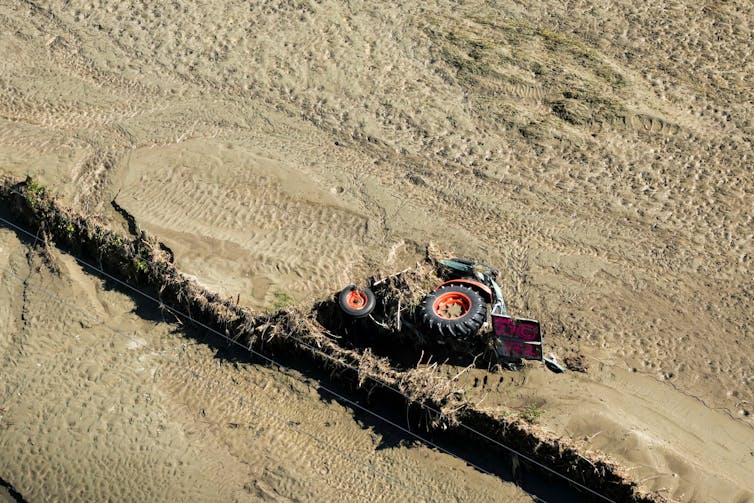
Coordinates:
(101,403)
(598,153)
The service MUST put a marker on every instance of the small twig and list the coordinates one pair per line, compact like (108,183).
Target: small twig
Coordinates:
(591,437)
(36,237)
(473,363)
(651,477)
(482,399)
(383,325)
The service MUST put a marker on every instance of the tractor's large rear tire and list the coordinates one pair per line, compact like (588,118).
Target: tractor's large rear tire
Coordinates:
(454,310)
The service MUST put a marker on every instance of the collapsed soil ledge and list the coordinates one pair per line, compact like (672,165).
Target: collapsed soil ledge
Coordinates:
(143,262)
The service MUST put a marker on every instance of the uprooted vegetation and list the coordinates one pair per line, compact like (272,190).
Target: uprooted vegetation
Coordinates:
(141,262)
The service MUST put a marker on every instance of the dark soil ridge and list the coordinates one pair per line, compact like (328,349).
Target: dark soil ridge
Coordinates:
(141,261)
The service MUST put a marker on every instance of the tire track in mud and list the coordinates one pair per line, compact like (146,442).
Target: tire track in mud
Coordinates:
(309,243)
(532,92)
(641,124)
(72,116)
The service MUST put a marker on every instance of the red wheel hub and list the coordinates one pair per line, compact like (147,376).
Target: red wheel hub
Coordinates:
(356,299)
(452,305)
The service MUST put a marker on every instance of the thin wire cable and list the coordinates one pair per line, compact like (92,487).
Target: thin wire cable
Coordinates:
(272,361)
(248,348)
(245,402)
(282,420)
(465,426)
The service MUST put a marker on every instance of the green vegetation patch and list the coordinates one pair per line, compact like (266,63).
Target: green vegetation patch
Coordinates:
(509,68)
(281,300)
(141,265)
(35,188)
(37,194)
(531,413)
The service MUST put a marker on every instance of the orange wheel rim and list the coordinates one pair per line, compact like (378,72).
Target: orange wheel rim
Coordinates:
(452,305)
(356,299)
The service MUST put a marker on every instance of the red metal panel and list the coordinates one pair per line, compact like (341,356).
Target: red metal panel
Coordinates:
(517,337)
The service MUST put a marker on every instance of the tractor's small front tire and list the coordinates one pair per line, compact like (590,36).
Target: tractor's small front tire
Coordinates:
(454,310)
(357,302)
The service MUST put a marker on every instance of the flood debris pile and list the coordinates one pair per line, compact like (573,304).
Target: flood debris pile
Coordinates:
(396,320)
(402,293)
(142,262)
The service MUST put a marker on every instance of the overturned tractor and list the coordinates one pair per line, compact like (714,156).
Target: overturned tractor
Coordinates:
(463,311)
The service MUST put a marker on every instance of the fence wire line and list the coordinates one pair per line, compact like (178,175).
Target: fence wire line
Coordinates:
(277,364)
(244,402)
(248,348)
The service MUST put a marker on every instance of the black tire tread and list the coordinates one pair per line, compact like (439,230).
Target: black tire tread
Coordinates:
(354,313)
(458,328)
